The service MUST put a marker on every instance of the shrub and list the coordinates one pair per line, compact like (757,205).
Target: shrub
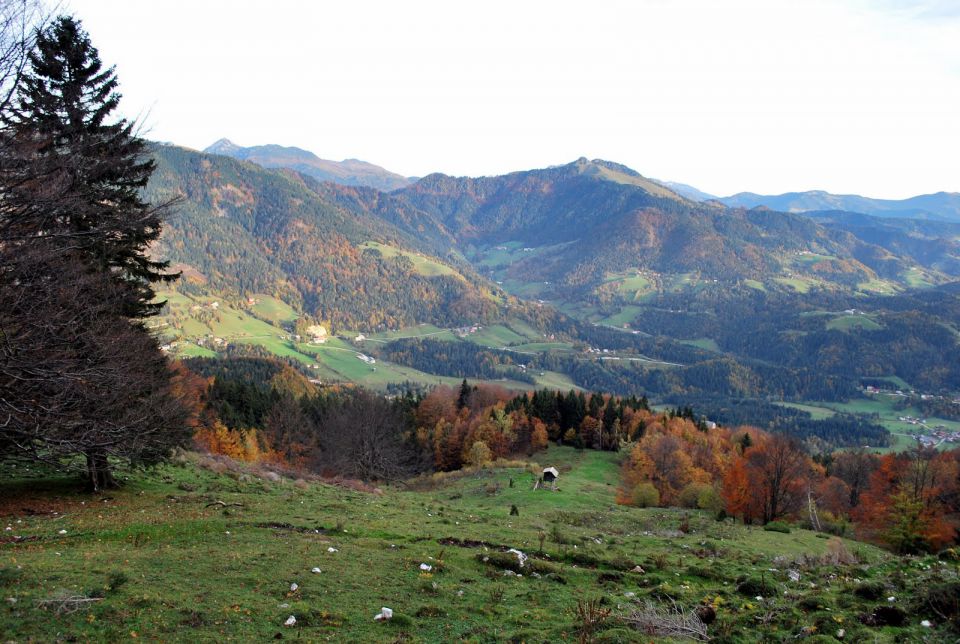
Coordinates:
(479,454)
(943,601)
(870,591)
(777,526)
(645,495)
(751,587)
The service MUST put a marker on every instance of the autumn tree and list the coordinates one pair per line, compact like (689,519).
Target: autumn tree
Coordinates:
(778,471)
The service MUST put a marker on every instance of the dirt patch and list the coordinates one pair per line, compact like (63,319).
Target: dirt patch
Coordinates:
(470,543)
(289,527)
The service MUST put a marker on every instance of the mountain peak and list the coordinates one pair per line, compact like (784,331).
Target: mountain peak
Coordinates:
(222,146)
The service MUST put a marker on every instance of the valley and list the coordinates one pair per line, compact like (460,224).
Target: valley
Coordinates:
(586,275)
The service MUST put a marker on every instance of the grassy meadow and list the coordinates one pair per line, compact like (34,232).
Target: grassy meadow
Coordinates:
(198,550)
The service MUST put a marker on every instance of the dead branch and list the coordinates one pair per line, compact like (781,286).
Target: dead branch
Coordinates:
(660,621)
(65,603)
(222,504)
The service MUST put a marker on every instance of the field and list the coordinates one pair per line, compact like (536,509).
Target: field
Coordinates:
(497,336)
(626,316)
(882,409)
(849,322)
(183,553)
(816,413)
(423,265)
(273,310)
(703,343)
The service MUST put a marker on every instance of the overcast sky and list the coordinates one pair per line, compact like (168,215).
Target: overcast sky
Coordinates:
(769,96)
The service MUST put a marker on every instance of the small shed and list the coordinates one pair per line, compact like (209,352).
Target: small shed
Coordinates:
(550,474)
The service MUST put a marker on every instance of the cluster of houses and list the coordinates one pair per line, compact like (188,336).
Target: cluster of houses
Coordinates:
(596,351)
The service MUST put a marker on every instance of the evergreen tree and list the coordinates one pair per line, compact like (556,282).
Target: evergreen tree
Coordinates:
(464,397)
(88,170)
(77,378)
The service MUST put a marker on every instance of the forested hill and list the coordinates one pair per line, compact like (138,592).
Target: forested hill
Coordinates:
(241,229)
(585,220)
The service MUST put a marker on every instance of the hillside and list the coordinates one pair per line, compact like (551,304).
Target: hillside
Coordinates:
(241,230)
(214,551)
(717,301)
(351,172)
(590,223)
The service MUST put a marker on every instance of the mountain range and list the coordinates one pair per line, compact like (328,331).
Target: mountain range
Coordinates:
(748,301)
(944,206)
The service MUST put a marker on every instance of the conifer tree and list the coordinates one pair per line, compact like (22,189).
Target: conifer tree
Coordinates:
(77,376)
(84,171)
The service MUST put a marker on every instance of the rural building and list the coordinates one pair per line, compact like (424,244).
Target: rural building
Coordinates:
(550,474)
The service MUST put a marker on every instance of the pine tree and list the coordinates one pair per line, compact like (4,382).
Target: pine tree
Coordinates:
(76,377)
(88,170)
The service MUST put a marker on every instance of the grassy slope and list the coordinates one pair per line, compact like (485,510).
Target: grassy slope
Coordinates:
(171,568)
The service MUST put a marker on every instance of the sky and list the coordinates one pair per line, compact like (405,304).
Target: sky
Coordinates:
(768,96)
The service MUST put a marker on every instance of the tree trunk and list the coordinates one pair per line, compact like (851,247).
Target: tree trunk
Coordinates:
(99,476)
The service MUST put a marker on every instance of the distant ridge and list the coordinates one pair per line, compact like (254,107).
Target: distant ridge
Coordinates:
(944,206)
(349,172)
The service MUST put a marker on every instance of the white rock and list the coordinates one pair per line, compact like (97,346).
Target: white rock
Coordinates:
(459,593)
(426,567)
(315,570)
(794,575)
(926,623)
(891,599)
(62,532)
(840,633)
(11,600)
(630,595)
(332,549)
(759,598)
(521,558)
(293,587)
(384,614)
(290,621)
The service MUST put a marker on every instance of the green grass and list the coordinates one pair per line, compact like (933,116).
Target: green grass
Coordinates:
(704,343)
(798,284)
(630,285)
(754,284)
(882,409)
(624,316)
(166,565)
(423,265)
(882,287)
(917,277)
(273,310)
(537,347)
(190,350)
(816,413)
(418,331)
(497,335)
(555,380)
(851,322)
